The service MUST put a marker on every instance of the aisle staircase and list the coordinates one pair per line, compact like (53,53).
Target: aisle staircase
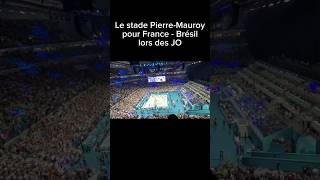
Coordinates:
(94,159)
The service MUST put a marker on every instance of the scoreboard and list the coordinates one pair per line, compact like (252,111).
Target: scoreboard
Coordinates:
(157,79)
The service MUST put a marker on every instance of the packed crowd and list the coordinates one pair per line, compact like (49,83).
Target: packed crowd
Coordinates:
(46,151)
(252,105)
(179,116)
(294,94)
(228,171)
(193,97)
(47,108)
(30,91)
(120,92)
(125,108)
(26,98)
(125,96)
(228,111)
(197,93)
(259,116)
(288,89)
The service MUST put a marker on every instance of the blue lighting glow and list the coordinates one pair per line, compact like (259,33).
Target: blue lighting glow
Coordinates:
(224,7)
(208,88)
(314,86)
(154,85)
(103,38)
(100,67)
(122,71)
(189,95)
(40,32)
(17,112)
(54,75)
(233,64)
(42,54)
(227,64)
(27,68)
(141,73)
(216,63)
(56,56)
(177,81)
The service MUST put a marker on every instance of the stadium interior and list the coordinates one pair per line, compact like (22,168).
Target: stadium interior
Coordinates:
(265,96)
(53,121)
(156,89)
(260,89)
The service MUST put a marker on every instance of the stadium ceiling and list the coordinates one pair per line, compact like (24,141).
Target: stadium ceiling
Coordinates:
(217,3)
(165,62)
(119,64)
(78,5)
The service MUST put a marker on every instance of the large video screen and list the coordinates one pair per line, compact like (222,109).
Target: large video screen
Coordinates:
(157,79)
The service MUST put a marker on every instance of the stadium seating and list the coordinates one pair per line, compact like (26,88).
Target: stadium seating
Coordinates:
(130,93)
